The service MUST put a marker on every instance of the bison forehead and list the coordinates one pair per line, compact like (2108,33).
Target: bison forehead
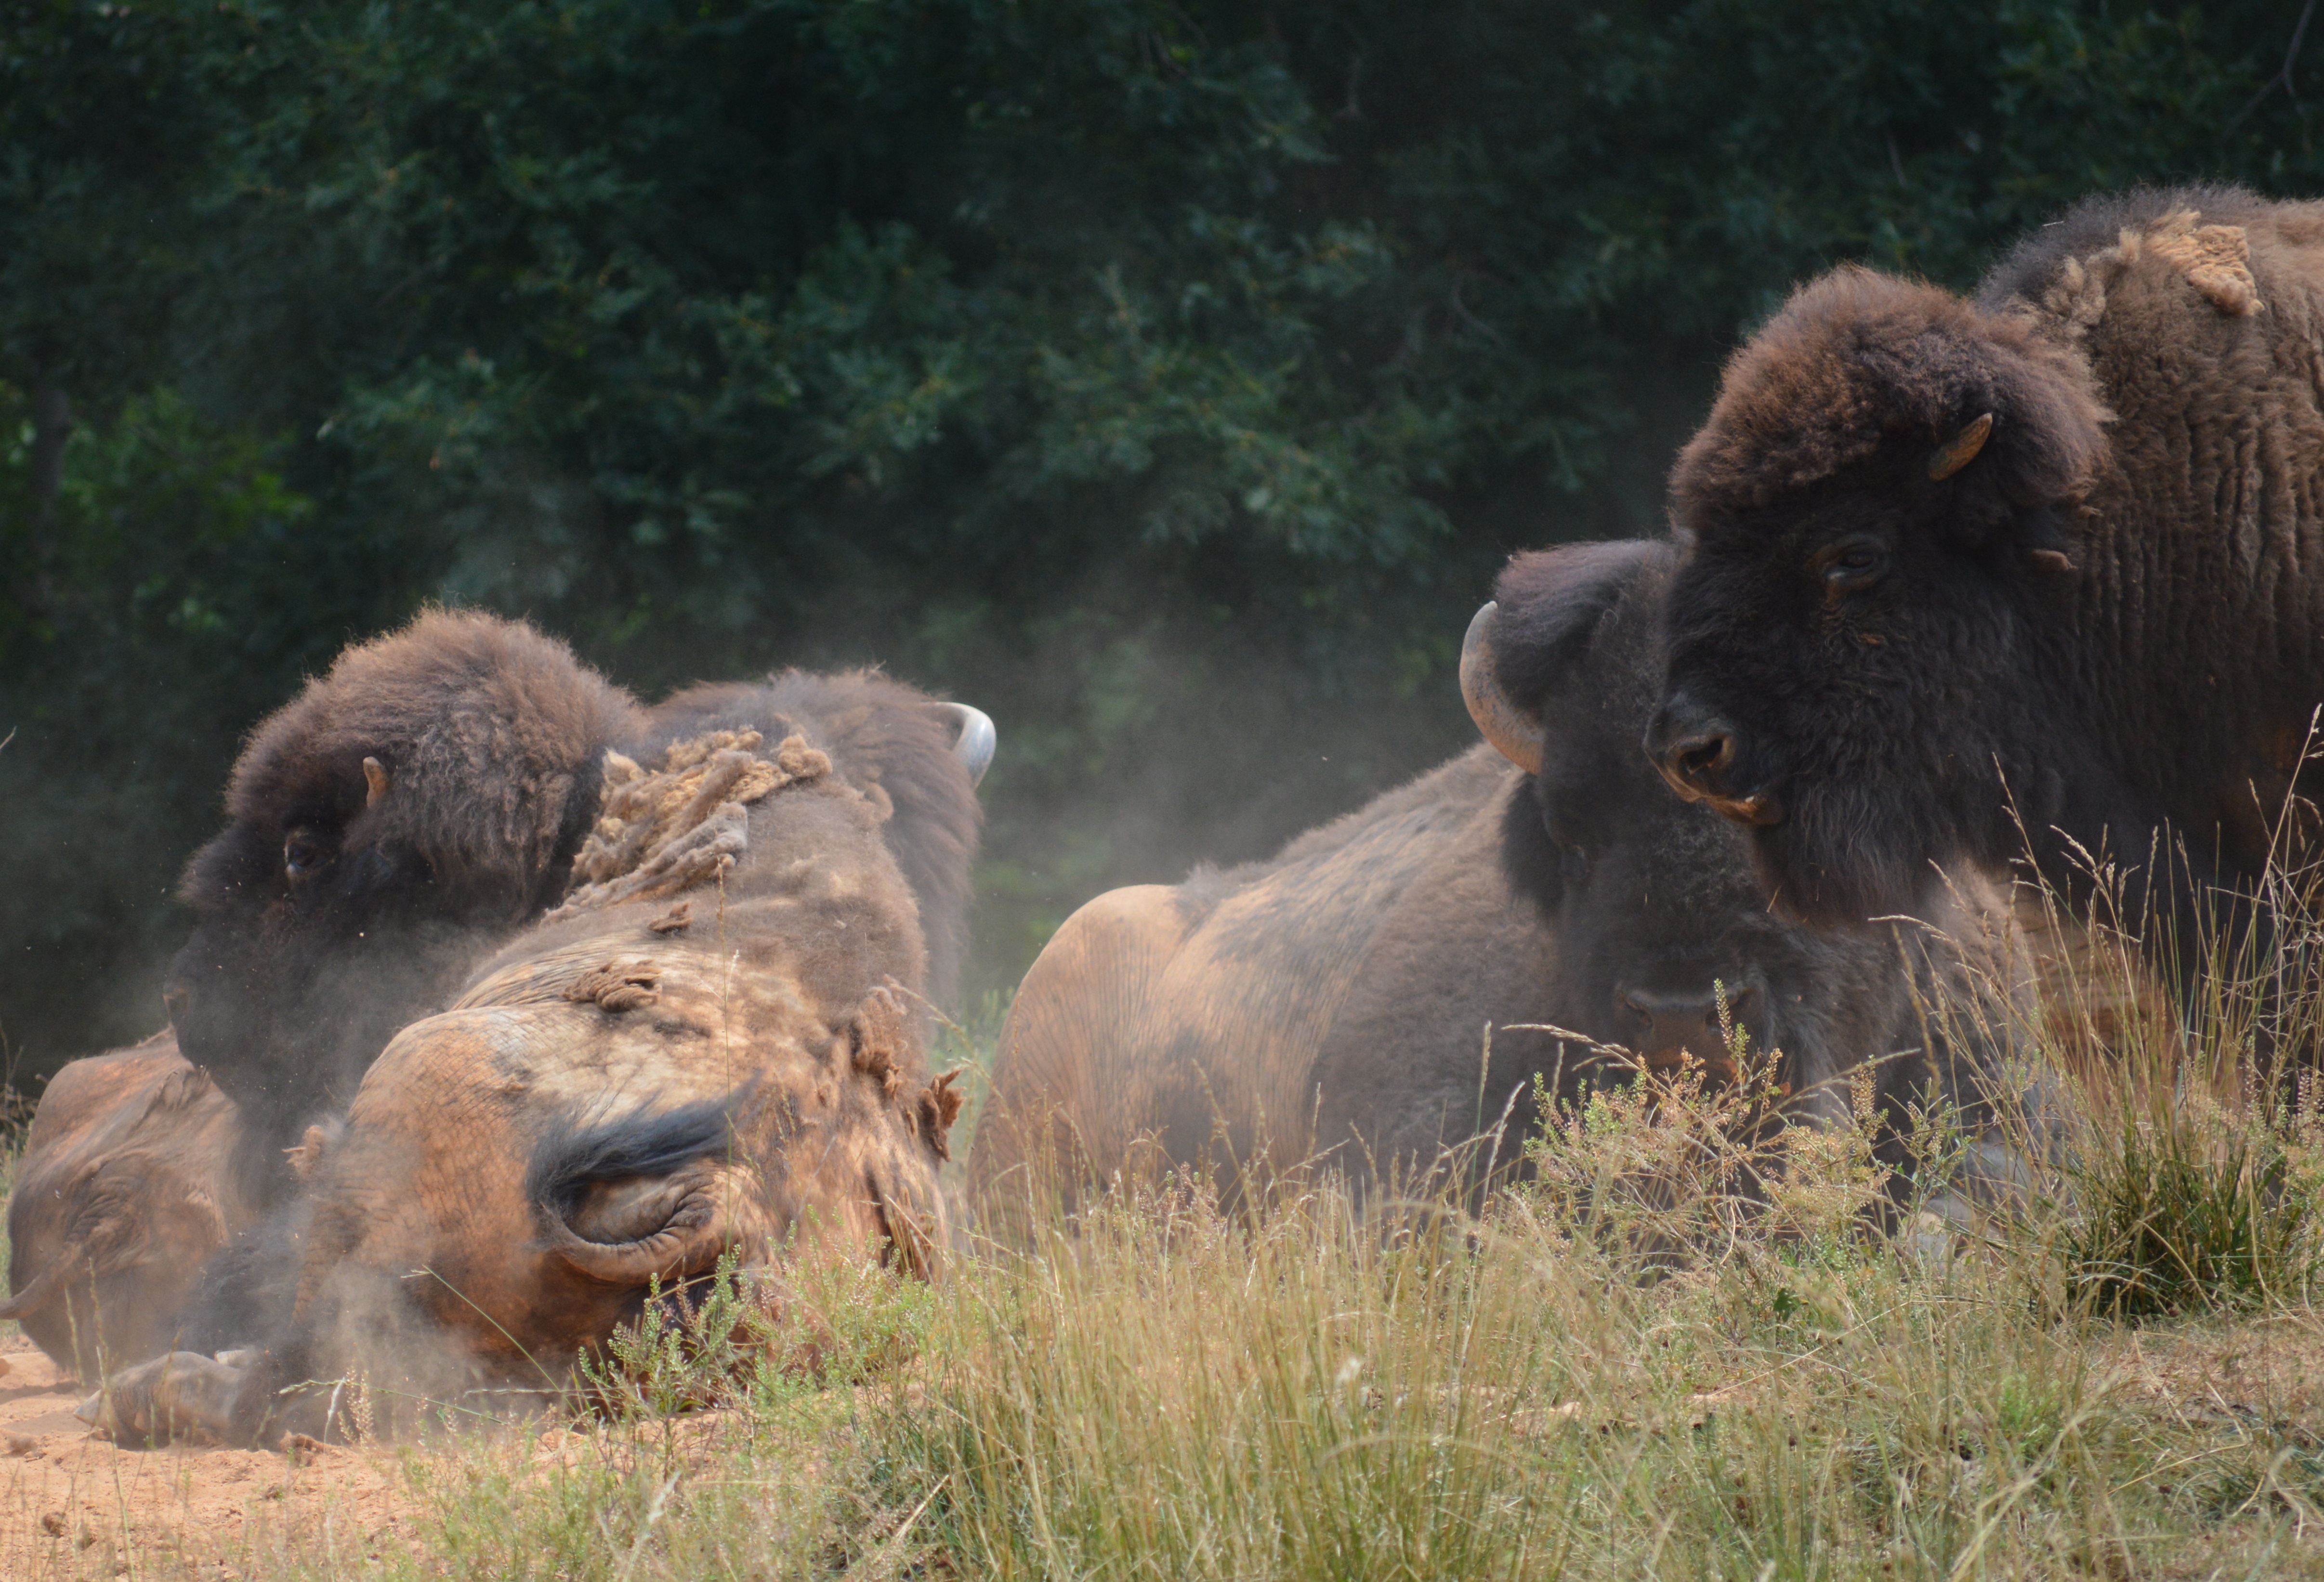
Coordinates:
(1857,362)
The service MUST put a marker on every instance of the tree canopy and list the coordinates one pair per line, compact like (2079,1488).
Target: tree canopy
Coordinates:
(1166,377)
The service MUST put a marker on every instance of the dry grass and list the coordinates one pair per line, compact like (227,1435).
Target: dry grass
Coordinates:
(1678,1347)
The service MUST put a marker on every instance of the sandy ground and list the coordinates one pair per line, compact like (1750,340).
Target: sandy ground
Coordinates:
(73,1505)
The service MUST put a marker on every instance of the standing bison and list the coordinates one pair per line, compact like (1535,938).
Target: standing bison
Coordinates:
(2047,556)
(397,819)
(717,1043)
(1335,999)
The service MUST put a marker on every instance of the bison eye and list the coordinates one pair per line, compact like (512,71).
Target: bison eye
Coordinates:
(303,855)
(1573,864)
(1846,567)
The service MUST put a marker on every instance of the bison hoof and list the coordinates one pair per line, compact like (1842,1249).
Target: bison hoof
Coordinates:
(183,1395)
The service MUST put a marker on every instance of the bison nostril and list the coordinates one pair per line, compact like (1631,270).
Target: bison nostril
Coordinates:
(1700,760)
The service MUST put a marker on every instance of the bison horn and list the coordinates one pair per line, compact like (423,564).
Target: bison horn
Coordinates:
(973,737)
(374,781)
(692,1237)
(1513,733)
(1961,450)
(44,1288)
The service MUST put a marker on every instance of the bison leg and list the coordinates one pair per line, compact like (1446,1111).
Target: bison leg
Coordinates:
(180,1395)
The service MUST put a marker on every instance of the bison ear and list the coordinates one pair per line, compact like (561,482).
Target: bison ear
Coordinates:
(1519,648)
(2041,534)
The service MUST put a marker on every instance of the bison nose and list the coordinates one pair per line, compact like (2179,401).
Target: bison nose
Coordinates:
(1666,1024)
(1696,752)
(173,1002)
(1693,747)
(1696,766)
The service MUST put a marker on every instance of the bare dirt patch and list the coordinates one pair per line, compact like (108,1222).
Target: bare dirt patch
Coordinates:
(74,1505)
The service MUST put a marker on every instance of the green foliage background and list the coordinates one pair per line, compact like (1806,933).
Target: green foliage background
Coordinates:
(1166,377)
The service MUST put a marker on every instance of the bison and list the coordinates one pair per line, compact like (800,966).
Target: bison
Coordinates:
(125,1188)
(1336,999)
(716,1044)
(2041,563)
(398,819)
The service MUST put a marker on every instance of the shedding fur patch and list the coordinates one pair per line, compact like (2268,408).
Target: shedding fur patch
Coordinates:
(2216,260)
(880,1038)
(617,986)
(665,830)
(939,1106)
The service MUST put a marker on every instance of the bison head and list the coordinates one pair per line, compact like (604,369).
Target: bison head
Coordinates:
(1874,522)
(1655,902)
(404,812)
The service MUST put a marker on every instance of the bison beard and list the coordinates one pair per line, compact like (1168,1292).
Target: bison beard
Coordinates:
(1332,1000)
(2039,567)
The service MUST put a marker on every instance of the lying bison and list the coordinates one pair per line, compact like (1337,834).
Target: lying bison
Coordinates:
(2045,557)
(717,1043)
(125,1188)
(1336,999)
(400,817)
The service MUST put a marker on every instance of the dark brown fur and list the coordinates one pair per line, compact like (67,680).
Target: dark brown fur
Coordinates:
(325,921)
(2108,622)
(1338,998)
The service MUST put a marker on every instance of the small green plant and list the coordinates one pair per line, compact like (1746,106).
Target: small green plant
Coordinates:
(1678,1166)
(2187,1207)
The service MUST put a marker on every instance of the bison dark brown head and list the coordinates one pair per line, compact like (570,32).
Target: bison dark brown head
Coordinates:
(1872,524)
(1655,902)
(400,817)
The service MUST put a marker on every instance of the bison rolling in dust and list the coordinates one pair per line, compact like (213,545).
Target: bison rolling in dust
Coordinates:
(398,819)
(2048,556)
(716,1043)
(1335,997)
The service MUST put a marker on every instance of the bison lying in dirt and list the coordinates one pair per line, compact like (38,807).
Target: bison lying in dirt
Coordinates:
(126,1187)
(1336,999)
(2046,557)
(397,819)
(716,1043)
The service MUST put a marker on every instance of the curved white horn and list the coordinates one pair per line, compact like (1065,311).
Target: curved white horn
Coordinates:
(1513,733)
(973,737)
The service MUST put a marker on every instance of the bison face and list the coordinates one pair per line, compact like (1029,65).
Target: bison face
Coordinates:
(1844,683)
(1663,915)
(1654,902)
(1861,635)
(317,936)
